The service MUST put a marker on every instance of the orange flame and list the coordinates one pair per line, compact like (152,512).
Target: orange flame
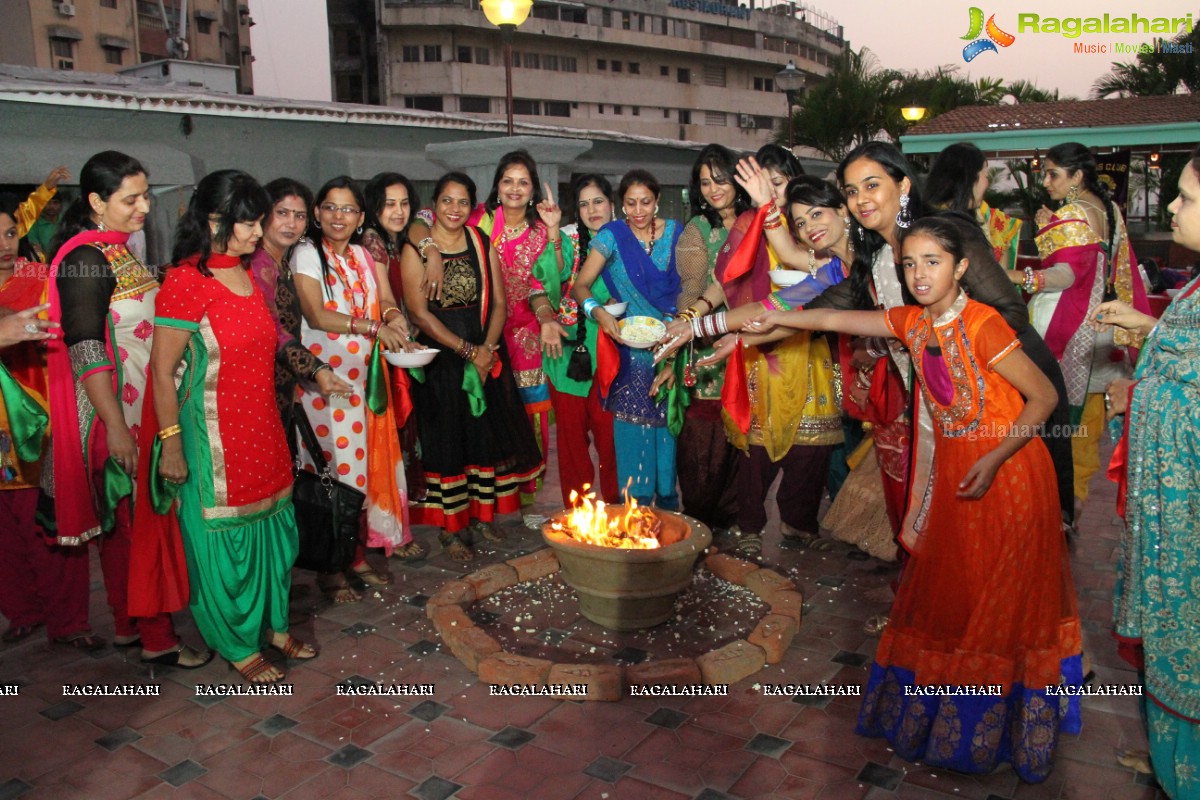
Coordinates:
(592,521)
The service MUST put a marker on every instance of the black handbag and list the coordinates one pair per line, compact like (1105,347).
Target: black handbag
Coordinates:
(327,510)
(579,365)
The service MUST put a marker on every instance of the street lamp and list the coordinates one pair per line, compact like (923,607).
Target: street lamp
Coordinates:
(790,81)
(507,15)
(913,113)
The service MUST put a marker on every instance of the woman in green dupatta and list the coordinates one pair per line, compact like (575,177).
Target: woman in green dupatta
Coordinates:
(1157,465)
(706,461)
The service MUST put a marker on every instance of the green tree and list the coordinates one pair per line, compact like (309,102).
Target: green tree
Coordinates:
(1024,91)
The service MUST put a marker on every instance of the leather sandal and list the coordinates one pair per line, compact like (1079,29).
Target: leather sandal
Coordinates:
(489,531)
(294,648)
(455,547)
(412,551)
(369,575)
(338,589)
(257,667)
(171,658)
(82,640)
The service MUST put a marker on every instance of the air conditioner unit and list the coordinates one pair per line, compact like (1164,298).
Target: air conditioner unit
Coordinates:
(66,9)
(747,121)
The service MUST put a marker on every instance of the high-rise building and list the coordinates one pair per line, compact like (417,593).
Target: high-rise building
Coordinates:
(693,70)
(110,35)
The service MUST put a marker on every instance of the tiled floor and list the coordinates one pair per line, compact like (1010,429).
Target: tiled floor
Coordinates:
(462,743)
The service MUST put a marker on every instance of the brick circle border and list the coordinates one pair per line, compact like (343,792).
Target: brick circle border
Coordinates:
(730,663)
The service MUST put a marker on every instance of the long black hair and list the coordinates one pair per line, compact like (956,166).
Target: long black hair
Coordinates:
(721,163)
(809,190)
(516,158)
(1074,157)
(868,243)
(102,175)
(280,188)
(376,195)
(314,223)
(952,178)
(226,197)
(582,182)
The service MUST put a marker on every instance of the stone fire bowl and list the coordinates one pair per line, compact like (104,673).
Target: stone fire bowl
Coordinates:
(627,590)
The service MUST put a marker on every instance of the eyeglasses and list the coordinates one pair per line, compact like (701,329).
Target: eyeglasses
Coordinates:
(330,208)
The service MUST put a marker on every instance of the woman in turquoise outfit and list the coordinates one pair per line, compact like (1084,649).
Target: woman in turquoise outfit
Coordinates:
(635,258)
(1156,601)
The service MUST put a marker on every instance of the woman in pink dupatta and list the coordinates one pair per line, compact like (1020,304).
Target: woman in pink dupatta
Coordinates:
(1086,257)
(104,298)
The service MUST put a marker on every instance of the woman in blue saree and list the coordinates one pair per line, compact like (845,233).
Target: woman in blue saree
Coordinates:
(635,257)
(1157,465)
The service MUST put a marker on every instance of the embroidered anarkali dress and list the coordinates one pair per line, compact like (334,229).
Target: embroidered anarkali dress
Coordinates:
(986,599)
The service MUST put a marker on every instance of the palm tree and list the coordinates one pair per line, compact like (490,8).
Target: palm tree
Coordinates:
(1155,73)
(1024,91)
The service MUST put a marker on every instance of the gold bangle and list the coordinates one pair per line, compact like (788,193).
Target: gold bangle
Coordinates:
(388,310)
(350,324)
(167,433)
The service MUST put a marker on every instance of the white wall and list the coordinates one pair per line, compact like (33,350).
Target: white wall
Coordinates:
(290,42)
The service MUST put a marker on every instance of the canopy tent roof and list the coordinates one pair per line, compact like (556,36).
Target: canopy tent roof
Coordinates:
(1168,123)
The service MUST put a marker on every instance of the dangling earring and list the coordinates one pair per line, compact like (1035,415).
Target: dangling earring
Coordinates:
(359,230)
(847,221)
(317,224)
(100,226)
(703,205)
(904,217)
(1073,193)
(812,262)
(656,209)
(531,202)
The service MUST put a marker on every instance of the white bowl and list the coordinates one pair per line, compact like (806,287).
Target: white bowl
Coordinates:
(616,309)
(787,277)
(649,330)
(417,358)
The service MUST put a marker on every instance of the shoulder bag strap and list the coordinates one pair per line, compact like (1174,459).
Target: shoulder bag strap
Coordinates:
(309,438)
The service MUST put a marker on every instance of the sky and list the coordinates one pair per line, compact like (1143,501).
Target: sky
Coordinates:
(926,34)
(292,51)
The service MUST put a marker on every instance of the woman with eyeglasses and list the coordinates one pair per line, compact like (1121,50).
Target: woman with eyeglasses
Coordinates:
(348,305)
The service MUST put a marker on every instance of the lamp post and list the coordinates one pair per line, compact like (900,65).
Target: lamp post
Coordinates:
(507,15)
(790,81)
(913,113)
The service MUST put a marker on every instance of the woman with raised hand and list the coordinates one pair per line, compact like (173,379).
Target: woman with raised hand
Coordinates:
(1086,257)
(569,352)
(348,307)
(223,452)
(104,297)
(478,446)
(1158,462)
(635,258)
(707,461)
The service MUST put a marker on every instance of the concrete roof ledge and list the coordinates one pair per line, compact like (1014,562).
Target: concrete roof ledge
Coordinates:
(478,158)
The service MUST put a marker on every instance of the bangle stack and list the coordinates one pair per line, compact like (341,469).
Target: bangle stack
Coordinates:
(773,219)
(373,328)
(423,245)
(557,243)
(710,326)
(872,351)
(167,433)
(1034,281)
(589,307)
(465,350)
(862,379)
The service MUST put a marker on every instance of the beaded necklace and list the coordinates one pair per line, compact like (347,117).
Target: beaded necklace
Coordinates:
(354,291)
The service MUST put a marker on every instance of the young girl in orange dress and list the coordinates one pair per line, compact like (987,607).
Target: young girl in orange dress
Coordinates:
(984,624)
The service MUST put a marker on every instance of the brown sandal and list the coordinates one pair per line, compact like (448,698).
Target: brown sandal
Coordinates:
(87,642)
(293,648)
(338,589)
(409,552)
(257,667)
(455,547)
(369,575)
(489,531)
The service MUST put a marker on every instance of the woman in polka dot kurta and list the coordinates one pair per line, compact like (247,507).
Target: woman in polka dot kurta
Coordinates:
(346,300)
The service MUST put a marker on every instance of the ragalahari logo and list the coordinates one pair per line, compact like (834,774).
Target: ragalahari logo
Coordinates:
(994,37)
